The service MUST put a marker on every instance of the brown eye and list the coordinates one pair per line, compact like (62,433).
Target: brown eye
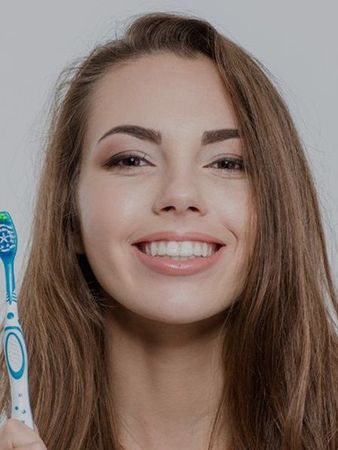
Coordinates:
(130,159)
(133,160)
(230,164)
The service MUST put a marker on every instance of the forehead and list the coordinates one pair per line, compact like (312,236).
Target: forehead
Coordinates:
(164,91)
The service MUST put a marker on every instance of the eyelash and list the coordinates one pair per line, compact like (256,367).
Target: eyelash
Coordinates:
(115,160)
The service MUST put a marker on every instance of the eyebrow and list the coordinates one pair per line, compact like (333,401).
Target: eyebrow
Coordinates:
(151,135)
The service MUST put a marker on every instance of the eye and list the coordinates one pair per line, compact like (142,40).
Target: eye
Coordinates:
(230,164)
(117,160)
(133,160)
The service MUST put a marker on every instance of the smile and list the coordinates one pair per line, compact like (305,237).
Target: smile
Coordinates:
(178,264)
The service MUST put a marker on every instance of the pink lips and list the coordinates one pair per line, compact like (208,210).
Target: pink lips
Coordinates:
(168,266)
(175,236)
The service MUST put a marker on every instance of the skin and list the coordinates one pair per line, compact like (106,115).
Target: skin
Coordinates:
(163,338)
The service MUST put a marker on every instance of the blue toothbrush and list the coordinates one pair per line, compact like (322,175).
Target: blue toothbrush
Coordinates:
(14,343)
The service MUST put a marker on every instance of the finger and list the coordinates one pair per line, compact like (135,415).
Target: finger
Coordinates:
(14,433)
(34,446)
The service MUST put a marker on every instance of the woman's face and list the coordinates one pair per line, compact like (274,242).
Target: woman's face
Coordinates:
(179,186)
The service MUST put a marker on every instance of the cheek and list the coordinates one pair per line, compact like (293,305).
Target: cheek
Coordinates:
(233,209)
(238,219)
(107,212)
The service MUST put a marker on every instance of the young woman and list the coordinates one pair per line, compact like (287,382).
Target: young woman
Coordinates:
(175,133)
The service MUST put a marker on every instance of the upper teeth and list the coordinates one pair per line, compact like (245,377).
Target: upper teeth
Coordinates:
(180,248)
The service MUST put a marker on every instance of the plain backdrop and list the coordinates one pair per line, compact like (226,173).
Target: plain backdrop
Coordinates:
(296,40)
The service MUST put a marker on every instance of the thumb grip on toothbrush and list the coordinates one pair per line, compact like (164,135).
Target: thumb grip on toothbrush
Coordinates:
(16,360)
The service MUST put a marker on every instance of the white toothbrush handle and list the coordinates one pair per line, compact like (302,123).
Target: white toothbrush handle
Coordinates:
(17,365)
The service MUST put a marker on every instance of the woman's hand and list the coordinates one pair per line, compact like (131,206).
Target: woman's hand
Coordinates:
(15,434)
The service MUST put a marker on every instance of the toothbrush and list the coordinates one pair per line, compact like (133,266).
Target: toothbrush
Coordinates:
(14,343)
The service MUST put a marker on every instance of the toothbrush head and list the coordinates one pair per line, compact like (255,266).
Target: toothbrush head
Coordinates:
(8,237)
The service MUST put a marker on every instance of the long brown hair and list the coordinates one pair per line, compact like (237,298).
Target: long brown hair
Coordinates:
(280,341)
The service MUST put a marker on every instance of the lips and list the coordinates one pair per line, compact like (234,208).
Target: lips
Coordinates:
(179,267)
(182,236)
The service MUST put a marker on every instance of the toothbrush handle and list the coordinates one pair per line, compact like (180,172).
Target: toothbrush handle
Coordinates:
(17,365)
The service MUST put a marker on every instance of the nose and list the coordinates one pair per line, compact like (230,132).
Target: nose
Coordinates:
(180,195)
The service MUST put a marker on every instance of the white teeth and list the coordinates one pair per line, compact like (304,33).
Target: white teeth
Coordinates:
(179,249)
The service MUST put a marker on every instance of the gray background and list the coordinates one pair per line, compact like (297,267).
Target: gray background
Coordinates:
(295,39)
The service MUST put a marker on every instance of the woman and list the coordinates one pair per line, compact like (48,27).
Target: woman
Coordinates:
(175,133)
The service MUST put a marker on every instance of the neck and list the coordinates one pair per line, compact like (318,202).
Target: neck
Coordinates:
(167,379)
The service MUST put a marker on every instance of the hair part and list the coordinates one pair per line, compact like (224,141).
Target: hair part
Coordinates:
(280,345)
